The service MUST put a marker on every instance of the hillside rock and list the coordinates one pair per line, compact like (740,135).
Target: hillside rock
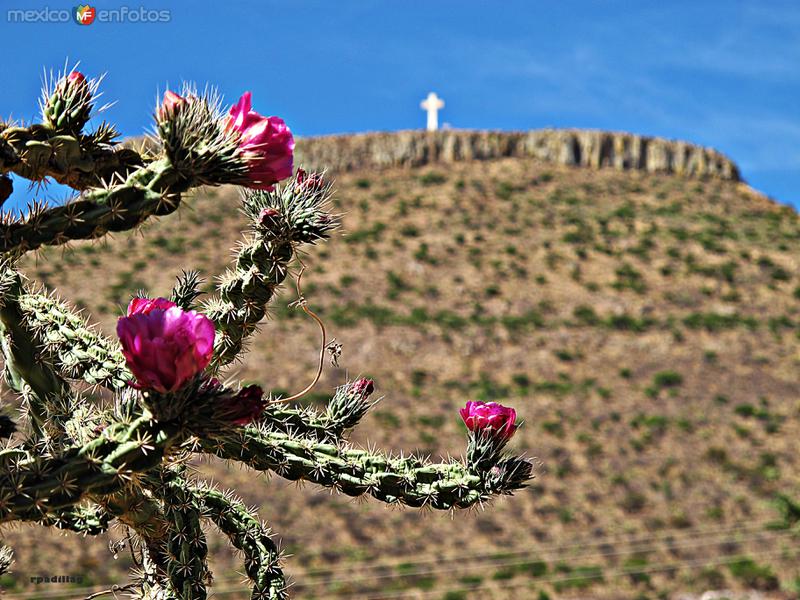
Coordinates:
(586,148)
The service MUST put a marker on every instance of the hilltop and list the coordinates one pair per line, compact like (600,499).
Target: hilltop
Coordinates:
(642,318)
(572,147)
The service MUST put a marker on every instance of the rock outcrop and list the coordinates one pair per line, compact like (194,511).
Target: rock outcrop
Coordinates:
(586,148)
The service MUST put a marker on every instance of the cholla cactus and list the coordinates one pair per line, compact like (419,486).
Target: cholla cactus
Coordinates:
(80,465)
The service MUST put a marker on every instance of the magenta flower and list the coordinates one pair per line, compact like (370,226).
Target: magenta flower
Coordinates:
(164,346)
(482,416)
(266,143)
(246,406)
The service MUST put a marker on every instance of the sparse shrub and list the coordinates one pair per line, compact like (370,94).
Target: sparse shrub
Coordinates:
(718,321)
(409,231)
(754,575)
(629,278)
(628,323)
(555,428)
(367,234)
(397,285)
(579,577)
(586,315)
(666,379)
(633,501)
(433,178)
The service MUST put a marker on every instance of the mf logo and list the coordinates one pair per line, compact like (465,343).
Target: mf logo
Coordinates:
(84,14)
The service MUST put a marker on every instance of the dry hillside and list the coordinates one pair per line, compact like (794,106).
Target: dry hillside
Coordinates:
(645,326)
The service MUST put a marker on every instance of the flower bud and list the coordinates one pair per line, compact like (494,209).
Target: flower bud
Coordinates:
(363,387)
(269,218)
(171,103)
(69,107)
(308,182)
(245,407)
(76,78)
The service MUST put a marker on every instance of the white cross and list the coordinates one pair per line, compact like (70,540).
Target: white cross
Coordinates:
(432,104)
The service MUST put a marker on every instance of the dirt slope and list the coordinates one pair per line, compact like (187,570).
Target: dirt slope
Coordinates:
(644,326)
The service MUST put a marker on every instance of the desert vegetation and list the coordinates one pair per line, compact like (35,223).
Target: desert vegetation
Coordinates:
(645,327)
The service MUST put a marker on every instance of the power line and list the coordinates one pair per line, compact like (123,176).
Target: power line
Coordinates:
(534,555)
(553,579)
(565,579)
(739,527)
(696,538)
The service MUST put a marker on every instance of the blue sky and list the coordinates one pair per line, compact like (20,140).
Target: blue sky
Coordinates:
(722,74)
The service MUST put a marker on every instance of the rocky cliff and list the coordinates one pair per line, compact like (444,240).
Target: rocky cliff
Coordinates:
(587,148)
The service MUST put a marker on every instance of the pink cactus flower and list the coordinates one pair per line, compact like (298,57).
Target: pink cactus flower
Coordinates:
(481,416)
(164,346)
(246,406)
(266,142)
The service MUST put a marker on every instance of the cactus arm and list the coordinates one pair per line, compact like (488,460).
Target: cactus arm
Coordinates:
(244,293)
(296,217)
(88,520)
(79,352)
(300,421)
(186,291)
(141,511)
(76,350)
(343,411)
(46,393)
(80,161)
(185,543)
(102,466)
(306,422)
(403,480)
(251,536)
(154,583)
(154,190)
(197,150)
